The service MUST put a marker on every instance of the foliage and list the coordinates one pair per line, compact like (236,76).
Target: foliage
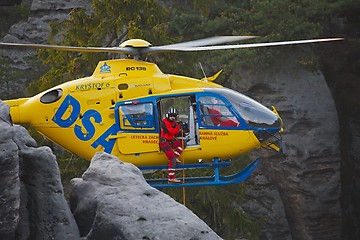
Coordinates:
(7,75)
(107,25)
(275,20)
(12,77)
(71,166)
(4,80)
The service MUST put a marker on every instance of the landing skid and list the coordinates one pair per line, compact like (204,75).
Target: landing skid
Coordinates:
(215,180)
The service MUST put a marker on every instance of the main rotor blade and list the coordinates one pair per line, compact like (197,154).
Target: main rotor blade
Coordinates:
(251,45)
(126,50)
(197,45)
(209,41)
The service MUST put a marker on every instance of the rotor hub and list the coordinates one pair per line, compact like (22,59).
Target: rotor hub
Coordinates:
(135,43)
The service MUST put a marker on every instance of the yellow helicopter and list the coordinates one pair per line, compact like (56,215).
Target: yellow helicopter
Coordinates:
(119,108)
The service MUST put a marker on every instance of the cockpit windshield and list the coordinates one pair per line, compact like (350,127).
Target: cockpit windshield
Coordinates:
(255,114)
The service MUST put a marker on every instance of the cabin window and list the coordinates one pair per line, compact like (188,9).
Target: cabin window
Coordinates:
(137,116)
(214,112)
(254,114)
(51,96)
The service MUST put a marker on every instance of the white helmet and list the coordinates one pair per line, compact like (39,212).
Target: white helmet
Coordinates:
(172,112)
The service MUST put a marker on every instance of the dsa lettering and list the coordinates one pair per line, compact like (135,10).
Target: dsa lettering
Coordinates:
(86,130)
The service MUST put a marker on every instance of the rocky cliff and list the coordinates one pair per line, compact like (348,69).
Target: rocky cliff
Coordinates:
(23,65)
(308,177)
(33,205)
(113,201)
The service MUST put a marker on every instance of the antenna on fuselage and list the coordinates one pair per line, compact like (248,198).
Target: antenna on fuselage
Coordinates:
(202,69)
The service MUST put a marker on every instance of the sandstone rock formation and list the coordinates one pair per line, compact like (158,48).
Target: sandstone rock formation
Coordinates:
(113,201)
(35,30)
(33,205)
(308,177)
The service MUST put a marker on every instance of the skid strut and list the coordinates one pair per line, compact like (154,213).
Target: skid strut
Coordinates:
(215,180)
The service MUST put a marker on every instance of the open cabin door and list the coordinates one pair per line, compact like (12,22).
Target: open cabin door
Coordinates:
(139,122)
(186,106)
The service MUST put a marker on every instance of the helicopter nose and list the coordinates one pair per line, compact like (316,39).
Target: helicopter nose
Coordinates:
(271,138)
(268,131)
(264,135)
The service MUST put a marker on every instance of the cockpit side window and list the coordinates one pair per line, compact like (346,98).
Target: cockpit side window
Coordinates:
(214,112)
(137,116)
(253,113)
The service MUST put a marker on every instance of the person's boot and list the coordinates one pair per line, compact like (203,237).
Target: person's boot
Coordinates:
(174,180)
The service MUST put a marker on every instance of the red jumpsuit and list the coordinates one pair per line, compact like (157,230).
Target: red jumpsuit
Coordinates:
(216,117)
(171,146)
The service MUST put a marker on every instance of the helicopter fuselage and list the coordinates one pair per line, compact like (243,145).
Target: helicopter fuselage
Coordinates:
(119,108)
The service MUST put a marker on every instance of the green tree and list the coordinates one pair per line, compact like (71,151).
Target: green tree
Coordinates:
(274,20)
(108,24)
(3,79)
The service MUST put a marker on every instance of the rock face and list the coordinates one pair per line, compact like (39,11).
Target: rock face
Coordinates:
(22,67)
(113,201)
(33,205)
(345,85)
(308,178)
(37,27)
(9,174)
(262,198)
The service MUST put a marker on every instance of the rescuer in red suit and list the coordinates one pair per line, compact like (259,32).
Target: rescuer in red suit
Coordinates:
(169,143)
